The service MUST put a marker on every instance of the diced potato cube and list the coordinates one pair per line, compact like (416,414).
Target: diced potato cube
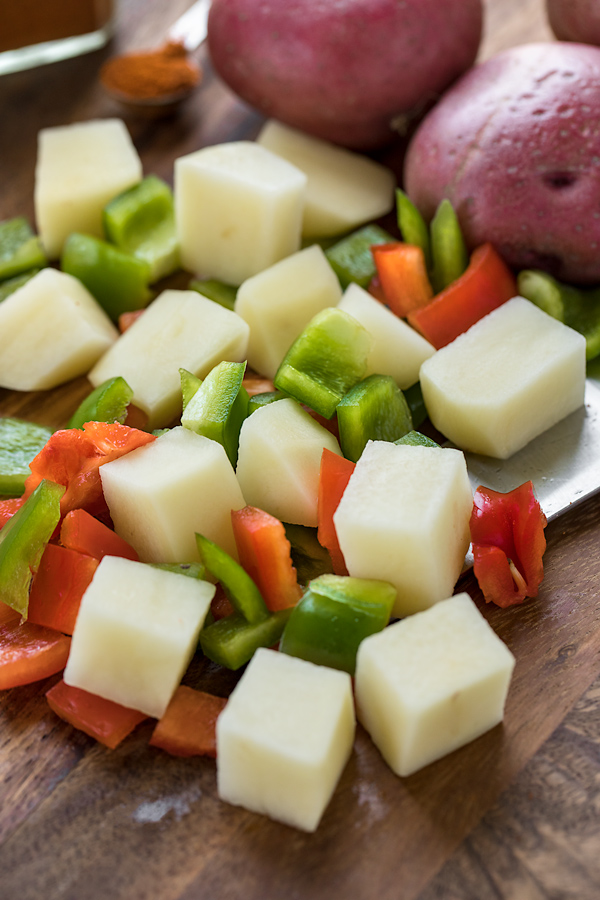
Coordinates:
(161,494)
(404,518)
(81,167)
(51,330)
(238,210)
(284,738)
(344,190)
(135,633)
(431,683)
(398,350)
(279,302)
(507,379)
(279,461)
(180,329)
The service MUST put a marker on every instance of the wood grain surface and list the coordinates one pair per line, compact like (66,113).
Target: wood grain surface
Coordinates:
(514,815)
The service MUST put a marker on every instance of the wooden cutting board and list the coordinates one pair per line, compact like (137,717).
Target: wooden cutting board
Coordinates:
(513,815)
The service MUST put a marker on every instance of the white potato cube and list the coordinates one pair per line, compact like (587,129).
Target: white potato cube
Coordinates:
(431,683)
(279,461)
(135,633)
(284,738)
(398,350)
(51,330)
(279,302)
(180,329)
(81,167)
(404,518)
(161,494)
(238,210)
(511,376)
(344,190)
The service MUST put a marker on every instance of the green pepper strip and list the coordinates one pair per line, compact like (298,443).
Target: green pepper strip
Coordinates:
(448,249)
(351,258)
(373,410)
(241,591)
(336,613)
(20,443)
(232,641)
(23,541)
(107,403)
(219,407)
(412,226)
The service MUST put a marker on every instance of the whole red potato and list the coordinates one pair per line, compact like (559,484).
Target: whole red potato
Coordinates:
(515,146)
(354,72)
(575,20)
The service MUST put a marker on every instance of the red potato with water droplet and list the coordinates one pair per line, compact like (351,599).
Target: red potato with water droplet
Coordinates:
(575,20)
(354,72)
(515,146)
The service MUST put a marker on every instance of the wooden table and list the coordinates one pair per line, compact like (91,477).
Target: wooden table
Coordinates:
(513,815)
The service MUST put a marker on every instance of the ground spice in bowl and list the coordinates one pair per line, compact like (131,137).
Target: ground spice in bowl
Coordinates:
(155,76)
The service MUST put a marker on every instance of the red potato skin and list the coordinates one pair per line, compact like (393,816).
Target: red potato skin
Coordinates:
(515,146)
(353,72)
(575,20)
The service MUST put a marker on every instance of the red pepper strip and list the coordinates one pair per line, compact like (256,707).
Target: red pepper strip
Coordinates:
(334,475)
(8,614)
(188,727)
(73,456)
(403,275)
(8,508)
(104,720)
(375,289)
(486,284)
(507,531)
(29,652)
(58,586)
(82,532)
(265,554)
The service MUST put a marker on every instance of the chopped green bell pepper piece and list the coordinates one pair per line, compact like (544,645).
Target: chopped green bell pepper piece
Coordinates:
(351,258)
(23,540)
(221,293)
(189,385)
(448,249)
(191,570)
(412,225)
(13,284)
(107,403)
(233,641)
(579,308)
(416,439)
(20,442)
(325,361)
(219,407)
(241,591)
(373,410)
(335,614)
(141,221)
(414,397)
(309,558)
(117,280)
(20,248)
(258,400)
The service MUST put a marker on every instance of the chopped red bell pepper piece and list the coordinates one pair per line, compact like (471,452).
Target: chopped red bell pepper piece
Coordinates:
(58,585)
(403,275)
(486,284)
(8,508)
(106,721)
(72,457)
(256,384)
(82,532)
(265,554)
(188,727)
(29,652)
(507,533)
(221,605)
(334,475)
(375,289)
